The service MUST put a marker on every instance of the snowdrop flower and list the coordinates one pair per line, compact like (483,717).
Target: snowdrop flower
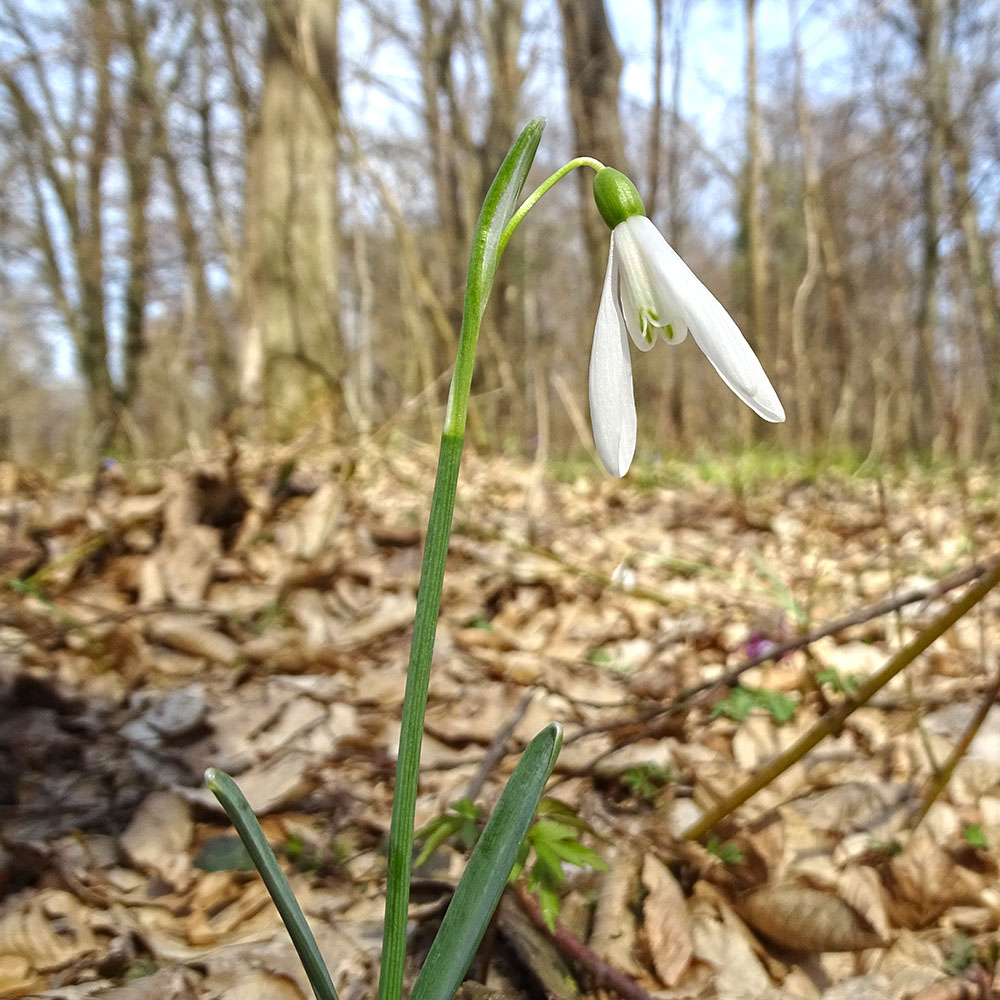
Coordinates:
(649,292)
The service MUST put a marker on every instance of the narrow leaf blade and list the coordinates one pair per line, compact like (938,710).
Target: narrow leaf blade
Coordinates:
(485,876)
(500,205)
(242,816)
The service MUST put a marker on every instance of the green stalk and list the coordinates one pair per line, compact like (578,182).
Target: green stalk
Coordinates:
(533,198)
(496,213)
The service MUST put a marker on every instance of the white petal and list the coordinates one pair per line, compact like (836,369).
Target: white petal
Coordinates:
(634,287)
(711,326)
(612,403)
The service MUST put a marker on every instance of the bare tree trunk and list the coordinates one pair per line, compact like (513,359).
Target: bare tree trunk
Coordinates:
(979,267)
(756,250)
(294,360)
(137,139)
(593,69)
(676,221)
(438,40)
(758,330)
(805,402)
(656,113)
(207,311)
(925,412)
(506,362)
(60,176)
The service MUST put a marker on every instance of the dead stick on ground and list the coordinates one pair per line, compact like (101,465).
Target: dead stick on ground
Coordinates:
(940,780)
(833,721)
(573,948)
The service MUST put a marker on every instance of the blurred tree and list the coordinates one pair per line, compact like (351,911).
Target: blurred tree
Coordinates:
(293,358)
(593,71)
(64,152)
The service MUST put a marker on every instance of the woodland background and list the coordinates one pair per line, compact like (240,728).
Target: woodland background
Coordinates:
(224,216)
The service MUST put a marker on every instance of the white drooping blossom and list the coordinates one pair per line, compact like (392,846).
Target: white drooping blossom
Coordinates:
(650,293)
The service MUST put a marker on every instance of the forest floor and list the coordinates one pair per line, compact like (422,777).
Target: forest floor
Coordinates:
(252,611)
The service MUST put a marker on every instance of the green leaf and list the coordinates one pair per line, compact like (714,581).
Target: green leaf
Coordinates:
(961,955)
(434,835)
(547,864)
(645,781)
(224,854)
(486,874)
(778,704)
(462,821)
(729,853)
(550,829)
(522,857)
(548,902)
(575,853)
(840,684)
(974,836)
(736,705)
(499,207)
(242,816)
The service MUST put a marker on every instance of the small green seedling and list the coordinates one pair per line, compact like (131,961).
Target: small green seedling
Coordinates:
(839,683)
(646,781)
(463,823)
(972,834)
(961,955)
(738,704)
(728,853)
(553,836)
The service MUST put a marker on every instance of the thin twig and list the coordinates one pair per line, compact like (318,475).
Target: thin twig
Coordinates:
(940,780)
(573,948)
(497,748)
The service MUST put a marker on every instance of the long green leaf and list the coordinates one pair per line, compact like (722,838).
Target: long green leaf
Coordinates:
(483,881)
(238,809)
(499,207)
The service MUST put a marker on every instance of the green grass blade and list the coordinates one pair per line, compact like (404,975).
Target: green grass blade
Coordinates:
(485,876)
(238,810)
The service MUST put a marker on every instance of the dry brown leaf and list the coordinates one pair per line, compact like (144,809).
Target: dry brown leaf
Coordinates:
(862,889)
(666,922)
(175,983)
(261,984)
(158,837)
(186,563)
(806,919)
(277,782)
(975,985)
(186,635)
(307,534)
(18,977)
(45,932)
(923,880)
(614,932)
(722,940)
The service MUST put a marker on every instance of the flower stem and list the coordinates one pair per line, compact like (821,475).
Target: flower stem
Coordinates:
(535,196)
(487,244)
